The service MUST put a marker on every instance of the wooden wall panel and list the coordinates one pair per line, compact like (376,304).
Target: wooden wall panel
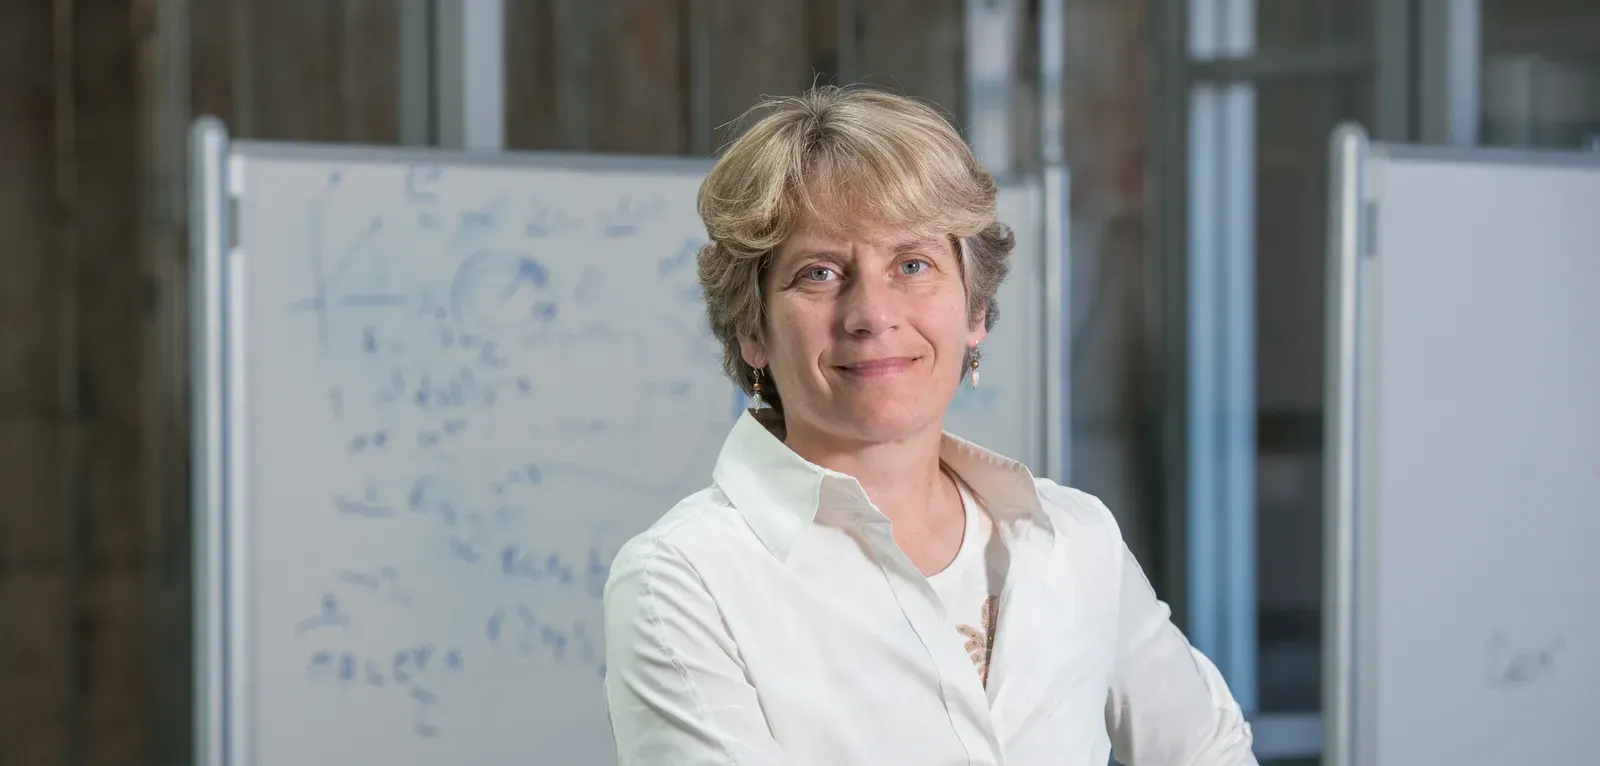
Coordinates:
(27,204)
(318,70)
(93,535)
(32,534)
(211,45)
(115,676)
(533,88)
(106,356)
(35,669)
(33,528)
(107,158)
(915,47)
(639,101)
(290,79)
(757,49)
(368,82)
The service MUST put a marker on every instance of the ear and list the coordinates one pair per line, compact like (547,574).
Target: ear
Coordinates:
(753,351)
(977,329)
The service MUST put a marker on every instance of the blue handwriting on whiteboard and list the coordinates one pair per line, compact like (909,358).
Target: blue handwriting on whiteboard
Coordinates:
(385,583)
(329,616)
(438,355)
(418,182)
(412,663)
(519,562)
(518,629)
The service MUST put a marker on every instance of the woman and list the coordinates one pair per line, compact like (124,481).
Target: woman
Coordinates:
(856,586)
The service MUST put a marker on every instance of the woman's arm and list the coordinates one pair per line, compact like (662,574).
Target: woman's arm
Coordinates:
(1168,704)
(676,690)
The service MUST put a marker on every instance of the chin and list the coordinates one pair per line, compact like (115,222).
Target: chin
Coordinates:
(884,421)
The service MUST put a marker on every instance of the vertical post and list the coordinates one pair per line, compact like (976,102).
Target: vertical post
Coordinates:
(1394,34)
(1166,301)
(1056,180)
(700,127)
(242,62)
(991,31)
(172,583)
(418,116)
(471,61)
(483,87)
(576,72)
(1450,63)
(848,41)
(1221,361)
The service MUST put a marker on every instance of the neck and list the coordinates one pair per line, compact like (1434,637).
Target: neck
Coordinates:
(903,478)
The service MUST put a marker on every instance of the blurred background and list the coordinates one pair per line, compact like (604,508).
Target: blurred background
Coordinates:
(1195,132)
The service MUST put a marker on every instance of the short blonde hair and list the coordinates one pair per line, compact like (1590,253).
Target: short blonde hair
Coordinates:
(851,157)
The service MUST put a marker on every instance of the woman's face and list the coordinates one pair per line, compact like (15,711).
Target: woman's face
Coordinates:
(865,334)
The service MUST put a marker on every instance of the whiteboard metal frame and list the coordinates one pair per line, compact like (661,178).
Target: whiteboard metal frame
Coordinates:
(218,170)
(1355,162)
(1056,184)
(1345,230)
(1057,405)
(208,247)
(545,160)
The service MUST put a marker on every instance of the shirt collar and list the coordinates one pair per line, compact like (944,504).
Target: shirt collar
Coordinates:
(779,493)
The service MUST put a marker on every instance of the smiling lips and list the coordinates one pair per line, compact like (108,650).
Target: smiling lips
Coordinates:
(874,368)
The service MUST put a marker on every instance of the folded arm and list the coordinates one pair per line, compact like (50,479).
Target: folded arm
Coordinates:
(676,691)
(1168,704)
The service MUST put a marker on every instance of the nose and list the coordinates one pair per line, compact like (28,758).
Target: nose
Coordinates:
(869,307)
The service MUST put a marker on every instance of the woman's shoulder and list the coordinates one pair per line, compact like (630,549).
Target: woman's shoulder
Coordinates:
(696,528)
(1073,509)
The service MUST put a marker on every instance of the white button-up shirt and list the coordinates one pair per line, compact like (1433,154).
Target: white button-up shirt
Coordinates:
(772,619)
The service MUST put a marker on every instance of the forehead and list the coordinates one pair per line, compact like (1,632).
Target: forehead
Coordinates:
(813,236)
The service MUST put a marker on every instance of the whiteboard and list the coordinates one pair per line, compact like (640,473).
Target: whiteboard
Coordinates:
(1464,481)
(1006,412)
(435,393)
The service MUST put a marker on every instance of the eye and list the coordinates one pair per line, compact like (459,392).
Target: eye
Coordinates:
(913,267)
(817,274)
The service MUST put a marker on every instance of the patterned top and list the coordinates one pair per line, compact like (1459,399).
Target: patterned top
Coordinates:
(980,639)
(970,586)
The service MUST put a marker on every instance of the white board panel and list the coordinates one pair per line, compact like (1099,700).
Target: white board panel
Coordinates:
(439,391)
(1006,411)
(463,387)
(1474,477)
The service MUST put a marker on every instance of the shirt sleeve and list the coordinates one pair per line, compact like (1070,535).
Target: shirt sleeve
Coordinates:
(1168,704)
(676,691)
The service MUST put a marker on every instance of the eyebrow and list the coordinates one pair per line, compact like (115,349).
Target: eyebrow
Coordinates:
(807,253)
(827,251)
(918,244)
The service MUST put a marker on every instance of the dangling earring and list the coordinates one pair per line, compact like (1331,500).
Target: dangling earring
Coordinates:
(974,366)
(756,386)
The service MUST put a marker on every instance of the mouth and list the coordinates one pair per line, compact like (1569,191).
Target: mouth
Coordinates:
(875,368)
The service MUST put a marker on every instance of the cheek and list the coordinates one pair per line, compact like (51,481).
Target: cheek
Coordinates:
(945,324)
(798,331)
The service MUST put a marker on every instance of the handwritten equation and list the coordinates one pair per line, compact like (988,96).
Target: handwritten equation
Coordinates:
(1515,664)
(505,378)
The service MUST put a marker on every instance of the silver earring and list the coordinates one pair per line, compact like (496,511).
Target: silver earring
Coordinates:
(974,365)
(756,386)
